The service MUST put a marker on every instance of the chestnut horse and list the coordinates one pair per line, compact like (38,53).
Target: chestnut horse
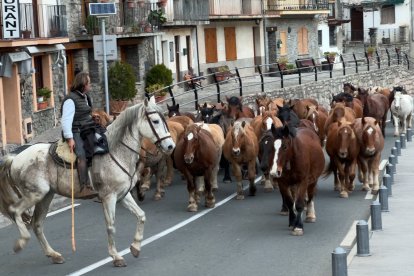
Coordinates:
(197,155)
(338,113)
(371,143)
(241,147)
(265,103)
(374,105)
(318,119)
(349,101)
(343,148)
(297,164)
(299,106)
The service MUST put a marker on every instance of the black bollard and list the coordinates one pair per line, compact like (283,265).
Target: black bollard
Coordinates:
(389,169)
(398,146)
(409,135)
(383,198)
(339,264)
(362,239)
(391,160)
(394,152)
(386,180)
(376,220)
(403,141)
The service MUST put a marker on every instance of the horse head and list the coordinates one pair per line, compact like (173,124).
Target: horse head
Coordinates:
(349,88)
(345,135)
(283,150)
(397,100)
(287,116)
(238,136)
(369,135)
(173,110)
(206,112)
(191,142)
(235,107)
(263,103)
(312,115)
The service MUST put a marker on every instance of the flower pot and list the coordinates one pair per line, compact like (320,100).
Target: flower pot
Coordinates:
(41,105)
(39,99)
(160,98)
(331,59)
(116,107)
(162,3)
(26,33)
(148,28)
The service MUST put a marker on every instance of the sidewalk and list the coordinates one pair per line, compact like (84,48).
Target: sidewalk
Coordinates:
(392,248)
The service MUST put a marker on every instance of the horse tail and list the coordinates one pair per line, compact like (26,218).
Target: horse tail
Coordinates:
(327,172)
(8,191)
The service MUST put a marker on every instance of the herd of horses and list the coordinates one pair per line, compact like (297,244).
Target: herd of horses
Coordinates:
(284,138)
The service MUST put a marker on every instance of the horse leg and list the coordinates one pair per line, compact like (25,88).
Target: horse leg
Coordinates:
(310,210)
(209,196)
(225,164)
(191,188)
(109,206)
(170,172)
(215,173)
(404,124)
(268,186)
(374,169)
(299,206)
(199,188)
(343,192)
(252,173)
(397,125)
(17,209)
(238,174)
(288,202)
(130,204)
(351,175)
(409,121)
(363,168)
(160,175)
(39,216)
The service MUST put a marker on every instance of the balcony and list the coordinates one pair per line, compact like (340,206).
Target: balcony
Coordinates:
(235,9)
(383,36)
(296,7)
(39,24)
(183,12)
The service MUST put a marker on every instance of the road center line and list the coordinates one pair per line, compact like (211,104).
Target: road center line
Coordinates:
(159,235)
(61,210)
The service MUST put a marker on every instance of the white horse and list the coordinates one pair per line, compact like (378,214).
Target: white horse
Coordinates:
(401,109)
(31,178)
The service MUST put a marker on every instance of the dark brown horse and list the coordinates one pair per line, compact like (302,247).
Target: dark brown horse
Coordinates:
(240,148)
(349,101)
(374,105)
(349,88)
(343,148)
(318,119)
(174,110)
(235,109)
(197,155)
(371,144)
(297,164)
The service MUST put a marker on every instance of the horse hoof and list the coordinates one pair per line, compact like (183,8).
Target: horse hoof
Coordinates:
(252,190)
(210,204)
(240,197)
(119,263)
(268,190)
(192,208)
(58,259)
(365,188)
(343,195)
(283,213)
(19,245)
(297,232)
(310,219)
(214,188)
(336,188)
(135,252)
(167,183)
(141,197)
(144,188)
(374,192)
(157,197)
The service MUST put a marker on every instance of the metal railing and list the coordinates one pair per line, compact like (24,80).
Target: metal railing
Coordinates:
(262,78)
(235,7)
(296,5)
(383,36)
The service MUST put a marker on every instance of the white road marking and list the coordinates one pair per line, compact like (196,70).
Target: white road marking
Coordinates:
(61,210)
(102,262)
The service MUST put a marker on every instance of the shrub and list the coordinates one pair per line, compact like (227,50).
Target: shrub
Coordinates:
(121,82)
(44,92)
(282,60)
(158,74)
(156,90)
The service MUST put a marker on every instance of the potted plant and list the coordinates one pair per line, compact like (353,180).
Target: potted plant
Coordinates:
(26,33)
(330,56)
(282,61)
(157,90)
(370,51)
(158,74)
(121,84)
(43,94)
(157,17)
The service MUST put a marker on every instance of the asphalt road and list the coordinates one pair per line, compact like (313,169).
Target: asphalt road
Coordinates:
(246,237)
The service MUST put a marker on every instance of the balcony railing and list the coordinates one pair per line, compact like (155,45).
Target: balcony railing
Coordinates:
(296,5)
(235,7)
(46,22)
(383,36)
(190,10)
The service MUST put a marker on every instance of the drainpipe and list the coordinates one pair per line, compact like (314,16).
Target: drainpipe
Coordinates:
(65,74)
(266,50)
(198,56)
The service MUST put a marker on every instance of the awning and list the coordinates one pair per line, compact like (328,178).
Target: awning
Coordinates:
(45,49)
(19,56)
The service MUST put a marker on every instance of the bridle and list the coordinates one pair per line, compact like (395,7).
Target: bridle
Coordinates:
(159,139)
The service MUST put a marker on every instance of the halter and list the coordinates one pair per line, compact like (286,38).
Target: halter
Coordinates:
(159,140)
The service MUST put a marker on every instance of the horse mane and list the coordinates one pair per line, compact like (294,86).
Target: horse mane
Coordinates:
(125,121)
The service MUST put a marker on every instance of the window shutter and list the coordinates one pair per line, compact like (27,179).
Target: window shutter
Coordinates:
(230,41)
(300,42)
(283,48)
(305,41)
(210,39)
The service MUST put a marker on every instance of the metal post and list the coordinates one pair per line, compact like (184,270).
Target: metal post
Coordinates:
(376,219)
(261,77)
(343,64)
(339,264)
(391,160)
(403,141)
(362,239)
(386,180)
(398,146)
(390,171)
(388,55)
(104,64)
(356,63)
(394,152)
(409,135)
(383,198)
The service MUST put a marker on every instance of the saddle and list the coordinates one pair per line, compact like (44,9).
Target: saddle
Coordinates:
(60,153)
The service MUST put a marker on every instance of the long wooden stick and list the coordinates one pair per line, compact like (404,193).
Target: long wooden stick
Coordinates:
(73,202)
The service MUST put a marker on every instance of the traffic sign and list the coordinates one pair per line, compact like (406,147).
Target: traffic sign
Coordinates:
(111,49)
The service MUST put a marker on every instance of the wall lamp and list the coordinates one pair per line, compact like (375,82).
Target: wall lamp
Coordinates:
(279,43)
(289,29)
(257,21)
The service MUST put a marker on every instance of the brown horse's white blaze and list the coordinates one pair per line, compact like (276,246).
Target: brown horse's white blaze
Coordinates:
(276,170)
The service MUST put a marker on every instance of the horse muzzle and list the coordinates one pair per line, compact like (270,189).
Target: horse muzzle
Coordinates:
(369,151)
(188,159)
(276,173)
(343,154)
(236,151)
(167,146)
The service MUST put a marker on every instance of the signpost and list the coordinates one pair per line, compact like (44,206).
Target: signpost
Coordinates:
(103,10)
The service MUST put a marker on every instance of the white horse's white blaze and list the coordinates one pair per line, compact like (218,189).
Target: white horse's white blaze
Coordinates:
(277,144)
(269,123)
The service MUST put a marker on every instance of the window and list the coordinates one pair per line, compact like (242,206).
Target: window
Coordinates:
(319,37)
(331,10)
(210,38)
(388,14)
(230,42)
(303,41)
(332,35)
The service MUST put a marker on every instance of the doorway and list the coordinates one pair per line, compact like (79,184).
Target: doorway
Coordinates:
(357,25)
(177,58)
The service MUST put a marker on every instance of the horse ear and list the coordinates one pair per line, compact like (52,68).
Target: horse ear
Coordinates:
(232,122)
(307,107)
(152,100)
(168,107)
(243,124)
(178,106)
(363,120)
(205,105)
(145,102)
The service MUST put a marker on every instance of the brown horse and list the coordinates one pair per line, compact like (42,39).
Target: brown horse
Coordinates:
(174,110)
(318,119)
(261,124)
(101,117)
(343,148)
(297,164)
(350,89)
(338,113)
(374,105)
(349,101)
(197,155)
(265,103)
(299,106)
(241,147)
(371,144)
(183,120)
(235,109)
